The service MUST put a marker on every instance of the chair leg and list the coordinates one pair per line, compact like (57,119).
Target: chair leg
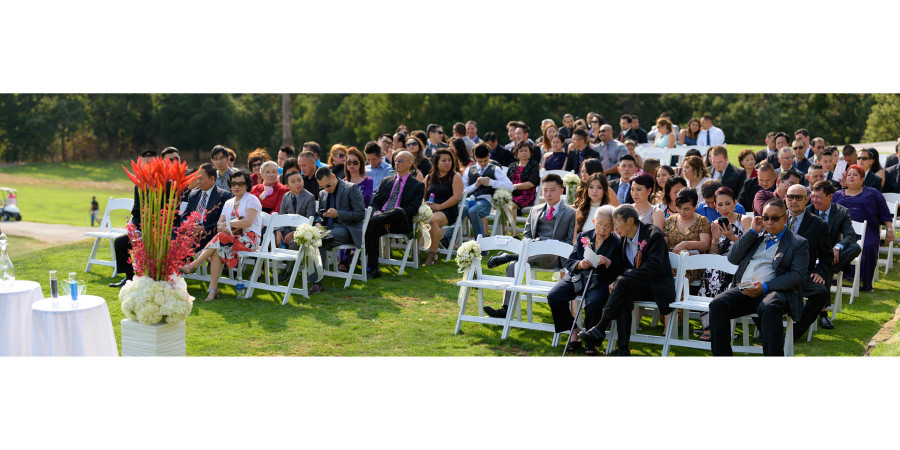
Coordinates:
(292,280)
(112,255)
(462,309)
(94,254)
(612,337)
(672,323)
(253,277)
(351,269)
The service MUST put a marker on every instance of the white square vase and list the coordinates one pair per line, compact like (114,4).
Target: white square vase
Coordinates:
(152,340)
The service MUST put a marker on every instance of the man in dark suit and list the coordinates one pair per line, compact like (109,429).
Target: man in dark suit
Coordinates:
(770,149)
(765,180)
(724,171)
(648,275)
(893,159)
(579,151)
(554,220)
(395,203)
(816,286)
(771,270)
(208,199)
(892,179)
(627,132)
(627,169)
(343,208)
(800,150)
(829,158)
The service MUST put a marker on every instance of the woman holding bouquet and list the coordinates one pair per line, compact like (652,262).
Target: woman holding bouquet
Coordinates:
(446,185)
(601,240)
(239,229)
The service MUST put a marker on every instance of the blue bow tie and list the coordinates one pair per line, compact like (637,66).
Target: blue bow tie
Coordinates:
(771,238)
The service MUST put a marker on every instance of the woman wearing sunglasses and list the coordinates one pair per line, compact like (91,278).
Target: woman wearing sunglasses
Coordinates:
(355,172)
(337,157)
(239,229)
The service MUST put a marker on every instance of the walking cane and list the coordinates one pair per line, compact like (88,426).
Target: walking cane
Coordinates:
(578,311)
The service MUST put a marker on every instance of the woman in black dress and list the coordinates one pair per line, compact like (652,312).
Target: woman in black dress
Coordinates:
(525,175)
(446,185)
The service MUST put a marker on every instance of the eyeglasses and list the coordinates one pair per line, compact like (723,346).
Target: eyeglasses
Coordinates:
(220,158)
(255,165)
(353,162)
(399,161)
(862,158)
(412,144)
(238,184)
(795,197)
(340,155)
(798,148)
(772,218)
(595,121)
(327,186)
(441,132)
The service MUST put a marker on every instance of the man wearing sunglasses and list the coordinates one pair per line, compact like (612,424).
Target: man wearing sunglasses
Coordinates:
(801,162)
(772,267)
(435,139)
(816,286)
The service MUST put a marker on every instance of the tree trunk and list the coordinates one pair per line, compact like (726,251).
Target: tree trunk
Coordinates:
(286,138)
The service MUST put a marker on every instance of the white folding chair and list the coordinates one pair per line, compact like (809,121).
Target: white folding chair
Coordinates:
(474,278)
(269,251)
(531,287)
(234,275)
(359,255)
(746,348)
(402,241)
(456,236)
(675,261)
(107,231)
(888,250)
(677,154)
(692,303)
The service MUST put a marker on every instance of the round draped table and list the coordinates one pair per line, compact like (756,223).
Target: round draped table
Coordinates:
(15,317)
(67,328)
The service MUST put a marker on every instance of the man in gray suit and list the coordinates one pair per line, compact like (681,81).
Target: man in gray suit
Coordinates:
(342,208)
(552,221)
(772,267)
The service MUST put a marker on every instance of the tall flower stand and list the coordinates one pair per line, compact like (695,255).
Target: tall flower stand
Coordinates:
(152,340)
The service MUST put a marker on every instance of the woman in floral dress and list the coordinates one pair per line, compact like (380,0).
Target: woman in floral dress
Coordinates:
(239,229)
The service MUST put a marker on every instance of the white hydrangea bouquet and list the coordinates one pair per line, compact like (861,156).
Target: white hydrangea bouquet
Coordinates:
(571,182)
(423,218)
(467,254)
(309,240)
(502,200)
(151,302)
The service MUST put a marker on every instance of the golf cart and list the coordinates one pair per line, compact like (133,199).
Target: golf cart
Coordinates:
(9,208)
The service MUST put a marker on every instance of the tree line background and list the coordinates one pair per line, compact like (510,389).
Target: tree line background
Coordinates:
(69,127)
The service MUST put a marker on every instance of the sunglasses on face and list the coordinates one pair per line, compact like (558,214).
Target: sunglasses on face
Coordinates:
(862,158)
(772,218)
(439,132)
(795,197)
(255,165)
(412,144)
(340,155)
(352,163)
(327,186)
(238,184)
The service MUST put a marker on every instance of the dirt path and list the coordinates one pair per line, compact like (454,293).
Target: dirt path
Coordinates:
(46,232)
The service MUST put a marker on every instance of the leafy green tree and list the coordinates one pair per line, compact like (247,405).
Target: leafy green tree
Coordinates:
(884,120)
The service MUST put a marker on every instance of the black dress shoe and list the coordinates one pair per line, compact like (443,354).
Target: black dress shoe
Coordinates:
(119,284)
(372,273)
(315,288)
(621,352)
(825,322)
(495,313)
(593,337)
(498,260)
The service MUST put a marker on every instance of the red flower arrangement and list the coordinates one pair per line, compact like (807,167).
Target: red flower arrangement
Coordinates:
(155,252)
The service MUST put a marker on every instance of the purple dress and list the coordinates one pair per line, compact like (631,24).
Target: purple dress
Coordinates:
(868,205)
(556,161)
(366,186)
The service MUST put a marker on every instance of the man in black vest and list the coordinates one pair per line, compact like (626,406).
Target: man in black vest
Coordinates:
(479,182)
(816,285)
(395,204)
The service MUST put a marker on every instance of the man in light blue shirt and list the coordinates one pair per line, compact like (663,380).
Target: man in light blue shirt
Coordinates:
(377,168)
(314,147)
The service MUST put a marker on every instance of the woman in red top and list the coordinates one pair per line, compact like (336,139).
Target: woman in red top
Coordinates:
(270,190)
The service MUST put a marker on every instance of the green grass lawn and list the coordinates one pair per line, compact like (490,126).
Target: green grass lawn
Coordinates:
(409,315)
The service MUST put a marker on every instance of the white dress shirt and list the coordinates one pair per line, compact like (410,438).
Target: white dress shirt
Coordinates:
(716,136)
(501,182)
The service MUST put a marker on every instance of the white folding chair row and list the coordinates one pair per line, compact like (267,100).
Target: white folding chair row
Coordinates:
(234,275)
(691,303)
(534,290)
(269,252)
(474,278)
(675,261)
(331,258)
(106,231)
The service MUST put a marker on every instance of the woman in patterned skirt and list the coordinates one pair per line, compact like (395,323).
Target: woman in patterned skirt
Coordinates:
(239,229)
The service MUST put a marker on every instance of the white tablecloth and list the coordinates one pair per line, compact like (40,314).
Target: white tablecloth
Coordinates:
(15,317)
(67,328)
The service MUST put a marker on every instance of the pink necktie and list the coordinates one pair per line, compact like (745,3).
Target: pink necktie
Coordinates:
(550,213)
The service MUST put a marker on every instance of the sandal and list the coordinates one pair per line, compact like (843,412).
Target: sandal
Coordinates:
(705,336)
(432,258)
(573,346)
(591,351)
(188,269)
(212,296)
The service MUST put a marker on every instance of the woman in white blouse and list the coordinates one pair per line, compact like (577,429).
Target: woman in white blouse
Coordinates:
(239,229)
